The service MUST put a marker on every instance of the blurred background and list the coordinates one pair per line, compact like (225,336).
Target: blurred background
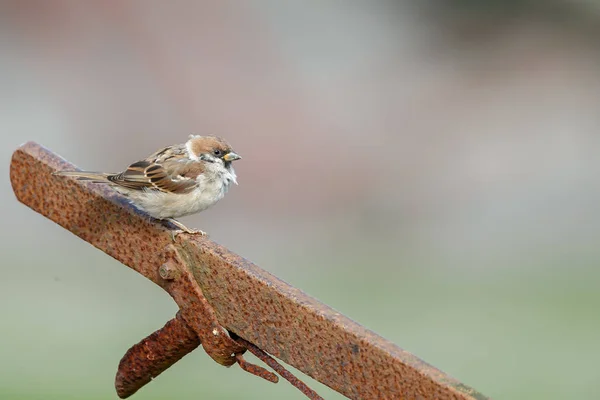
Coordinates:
(429,169)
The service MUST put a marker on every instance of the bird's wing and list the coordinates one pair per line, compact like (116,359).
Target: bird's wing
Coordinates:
(174,175)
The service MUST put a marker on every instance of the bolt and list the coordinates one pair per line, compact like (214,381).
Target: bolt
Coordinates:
(167,271)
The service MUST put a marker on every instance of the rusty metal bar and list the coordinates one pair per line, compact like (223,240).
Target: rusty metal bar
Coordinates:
(243,298)
(163,348)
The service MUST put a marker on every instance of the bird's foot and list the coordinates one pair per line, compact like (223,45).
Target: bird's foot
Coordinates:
(184,229)
(177,232)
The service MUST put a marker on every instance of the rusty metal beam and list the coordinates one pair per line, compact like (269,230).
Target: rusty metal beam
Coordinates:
(243,298)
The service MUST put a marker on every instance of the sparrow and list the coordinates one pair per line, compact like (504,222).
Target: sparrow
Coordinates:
(175,181)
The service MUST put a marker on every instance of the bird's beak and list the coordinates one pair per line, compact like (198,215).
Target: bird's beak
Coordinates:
(231,156)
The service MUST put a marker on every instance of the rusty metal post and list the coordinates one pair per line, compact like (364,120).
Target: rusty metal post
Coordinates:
(241,297)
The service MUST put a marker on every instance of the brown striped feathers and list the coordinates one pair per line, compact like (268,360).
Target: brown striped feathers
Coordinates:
(177,180)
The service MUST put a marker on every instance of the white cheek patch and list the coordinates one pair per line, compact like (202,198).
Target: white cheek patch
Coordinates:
(190,153)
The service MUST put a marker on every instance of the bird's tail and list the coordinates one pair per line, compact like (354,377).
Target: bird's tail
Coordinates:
(96,177)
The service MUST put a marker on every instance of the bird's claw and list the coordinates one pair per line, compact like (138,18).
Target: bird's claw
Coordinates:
(184,229)
(188,231)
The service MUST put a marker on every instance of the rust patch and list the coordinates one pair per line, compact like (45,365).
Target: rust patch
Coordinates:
(153,355)
(271,362)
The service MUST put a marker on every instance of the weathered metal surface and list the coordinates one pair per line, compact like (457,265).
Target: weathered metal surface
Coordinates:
(271,362)
(153,355)
(246,300)
(255,370)
(197,311)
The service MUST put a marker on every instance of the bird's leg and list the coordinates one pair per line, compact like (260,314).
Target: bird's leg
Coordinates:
(183,228)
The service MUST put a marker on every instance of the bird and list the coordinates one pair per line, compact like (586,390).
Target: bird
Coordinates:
(175,181)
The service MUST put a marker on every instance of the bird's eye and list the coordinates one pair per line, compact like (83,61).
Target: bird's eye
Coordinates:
(217,152)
